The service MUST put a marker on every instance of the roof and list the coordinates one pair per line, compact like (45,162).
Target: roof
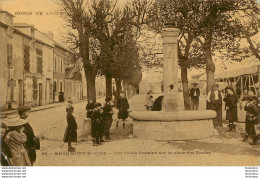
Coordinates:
(55,43)
(252,69)
(3,11)
(245,70)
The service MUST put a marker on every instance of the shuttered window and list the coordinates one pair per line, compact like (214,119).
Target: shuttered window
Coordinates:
(39,61)
(9,55)
(27,58)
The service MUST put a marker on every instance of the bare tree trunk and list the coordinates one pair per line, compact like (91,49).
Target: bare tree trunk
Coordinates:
(91,88)
(109,86)
(118,87)
(185,86)
(210,66)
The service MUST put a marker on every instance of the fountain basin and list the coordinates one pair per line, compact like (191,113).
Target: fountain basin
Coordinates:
(176,125)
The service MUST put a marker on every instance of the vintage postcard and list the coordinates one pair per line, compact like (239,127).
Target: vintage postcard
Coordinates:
(129,83)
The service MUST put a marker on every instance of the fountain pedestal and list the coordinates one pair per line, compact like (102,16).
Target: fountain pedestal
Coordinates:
(172,123)
(176,125)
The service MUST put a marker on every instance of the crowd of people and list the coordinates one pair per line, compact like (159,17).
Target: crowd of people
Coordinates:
(101,120)
(18,142)
(232,102)
(215,97)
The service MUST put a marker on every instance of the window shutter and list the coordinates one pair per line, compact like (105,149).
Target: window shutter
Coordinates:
(11,55)
(27,58)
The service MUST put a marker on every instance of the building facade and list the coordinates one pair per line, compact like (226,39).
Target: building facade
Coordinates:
(33,71)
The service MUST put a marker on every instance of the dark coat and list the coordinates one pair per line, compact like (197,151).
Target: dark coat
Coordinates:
(30,143)
(231,103)
(107,111)
(89,108)
(97,124)
(5,154)
(157,104)
(250,123)
(71,130)
(122,106)
(192,91)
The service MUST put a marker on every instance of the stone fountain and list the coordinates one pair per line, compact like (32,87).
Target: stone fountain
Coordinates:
(172,123)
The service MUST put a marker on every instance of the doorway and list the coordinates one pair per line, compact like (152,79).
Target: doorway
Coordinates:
(47,93)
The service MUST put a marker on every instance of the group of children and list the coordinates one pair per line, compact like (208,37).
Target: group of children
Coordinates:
(101,120)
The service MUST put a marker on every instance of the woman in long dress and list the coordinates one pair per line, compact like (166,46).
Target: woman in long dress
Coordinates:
(231,100)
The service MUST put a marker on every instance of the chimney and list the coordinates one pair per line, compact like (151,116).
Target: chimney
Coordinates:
(6,18)
(50,34)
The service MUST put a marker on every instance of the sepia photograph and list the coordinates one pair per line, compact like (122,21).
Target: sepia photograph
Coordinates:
(130,82)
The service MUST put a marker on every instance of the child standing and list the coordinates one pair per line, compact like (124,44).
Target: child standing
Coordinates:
(123,108)
(71,130)
(231,100)
(89,108)
(30,144)
(97,125)
(70,102)
(107,117)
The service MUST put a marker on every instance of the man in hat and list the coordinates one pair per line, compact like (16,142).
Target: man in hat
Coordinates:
(107,117)
(194,95)
(123,107)
(23,111)
(214,102)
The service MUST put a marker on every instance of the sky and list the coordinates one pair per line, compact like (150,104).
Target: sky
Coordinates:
(50,20)
(45,22)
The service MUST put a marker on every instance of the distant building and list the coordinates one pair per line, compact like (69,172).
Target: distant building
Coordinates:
(33,65)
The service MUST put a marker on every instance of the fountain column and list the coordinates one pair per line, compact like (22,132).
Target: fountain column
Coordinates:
(172,123)
(170,59)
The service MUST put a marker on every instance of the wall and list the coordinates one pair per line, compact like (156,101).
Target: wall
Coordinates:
(48,73)
(3,85)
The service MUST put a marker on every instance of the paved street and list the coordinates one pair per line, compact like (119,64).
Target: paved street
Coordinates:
(125,149)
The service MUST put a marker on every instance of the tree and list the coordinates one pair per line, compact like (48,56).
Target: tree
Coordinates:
(126,63)
(206,27)
(213,26)
(248,23)
(112,26)
(188,48)
(79,20)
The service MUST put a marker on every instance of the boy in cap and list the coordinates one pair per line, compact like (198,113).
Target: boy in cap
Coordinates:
(251,120)
(97,124)
(90,106)
(23,111)
(107,117)
(214,102)
(194,96)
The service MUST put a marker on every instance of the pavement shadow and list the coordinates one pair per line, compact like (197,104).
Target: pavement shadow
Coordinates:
(231,149)
(121,133)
